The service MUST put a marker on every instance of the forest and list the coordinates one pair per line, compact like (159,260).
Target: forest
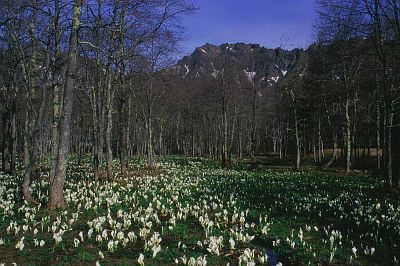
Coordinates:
(117,151)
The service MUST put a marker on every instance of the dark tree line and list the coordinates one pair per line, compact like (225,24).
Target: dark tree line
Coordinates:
(69,69)
(339,103)
(358,43)
(93,78)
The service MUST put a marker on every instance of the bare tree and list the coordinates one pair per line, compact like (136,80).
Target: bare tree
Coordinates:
(57,181)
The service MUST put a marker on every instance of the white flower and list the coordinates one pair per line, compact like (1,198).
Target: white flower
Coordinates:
(101,255)
(81,235)
(90,232)
(141,259)
(20,245)
(58,236)
(232,243)
(76,242)
(131,236)
(215,244)
(110,245)
(191,262)
(372,251)
(184,260)
(201,261)
(156,250)
(354,249)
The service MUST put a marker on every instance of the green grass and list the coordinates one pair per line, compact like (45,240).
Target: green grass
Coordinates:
(317,204)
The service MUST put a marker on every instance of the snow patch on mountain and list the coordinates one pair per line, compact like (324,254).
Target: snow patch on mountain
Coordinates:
(249,74)
(275,79)
(215,71)
(187,71)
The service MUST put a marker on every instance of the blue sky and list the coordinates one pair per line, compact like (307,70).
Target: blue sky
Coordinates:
(266,22)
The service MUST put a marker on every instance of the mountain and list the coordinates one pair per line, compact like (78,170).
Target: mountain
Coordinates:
(268,67)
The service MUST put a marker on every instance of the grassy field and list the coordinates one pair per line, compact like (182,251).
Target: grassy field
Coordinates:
(190,211)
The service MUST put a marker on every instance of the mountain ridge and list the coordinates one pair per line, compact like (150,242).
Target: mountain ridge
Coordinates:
(267,66)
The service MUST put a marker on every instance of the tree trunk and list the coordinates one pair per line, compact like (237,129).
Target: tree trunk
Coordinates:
(224,151)
(296,130)
(177,135)
(378,133)
(334,153)
(231,142)
(33,158)
(348,136)
(95,133)
(266,140)
(240,140)
(109,100)
(57,99)
(389,148)
(13,141)
(26,134)
(253,145)
(33,155)
(57,182)
(319,140)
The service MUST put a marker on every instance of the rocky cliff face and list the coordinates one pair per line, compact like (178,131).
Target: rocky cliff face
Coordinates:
(267,67)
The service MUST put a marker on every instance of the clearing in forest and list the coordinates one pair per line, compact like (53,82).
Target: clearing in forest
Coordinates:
(193,212)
